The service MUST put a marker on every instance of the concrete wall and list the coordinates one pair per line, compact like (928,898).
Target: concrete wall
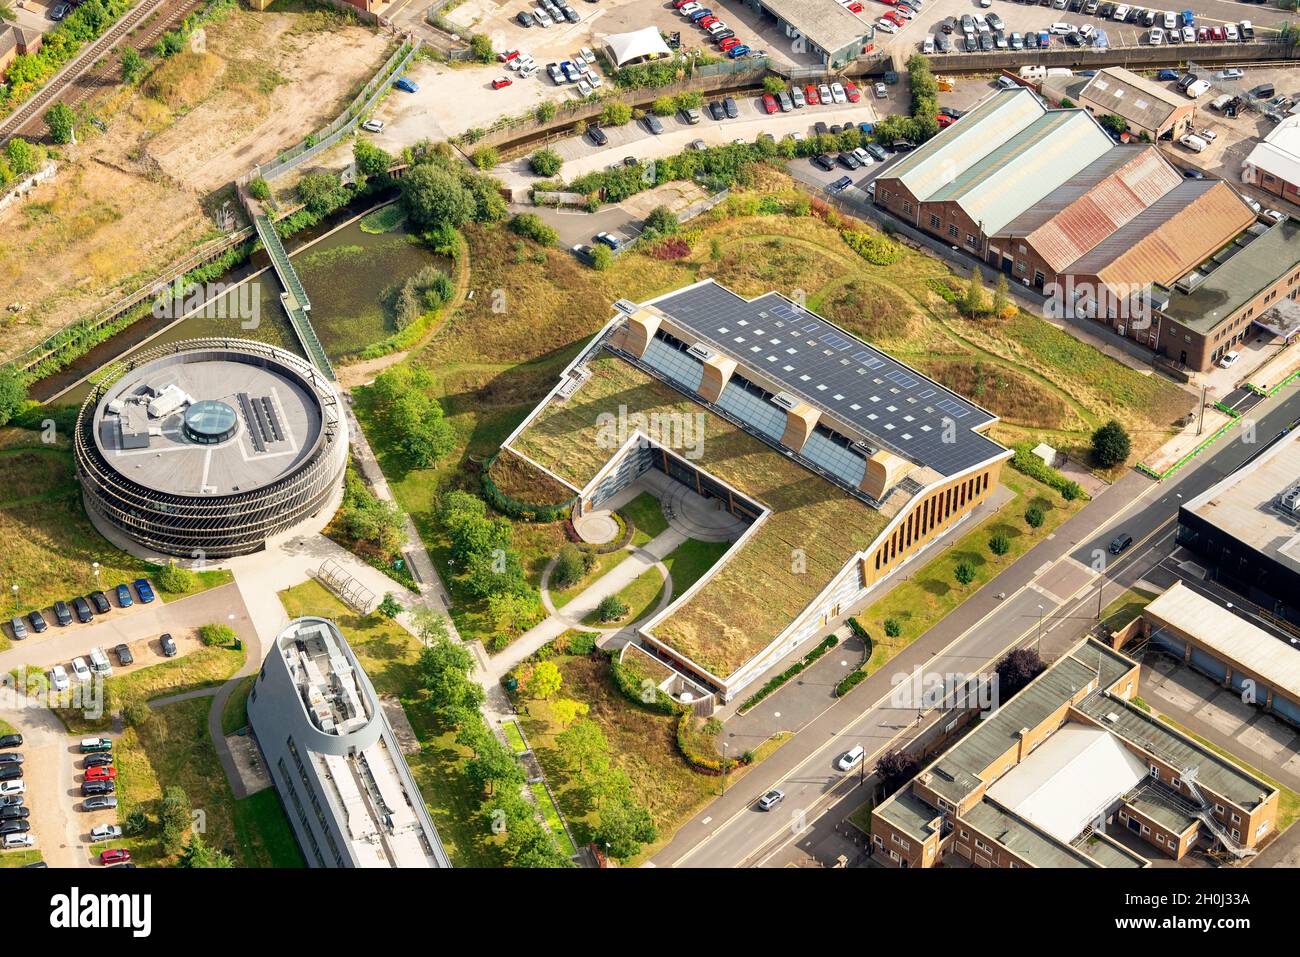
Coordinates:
(1134,58)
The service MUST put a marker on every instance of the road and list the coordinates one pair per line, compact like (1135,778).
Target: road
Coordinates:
(1056,576)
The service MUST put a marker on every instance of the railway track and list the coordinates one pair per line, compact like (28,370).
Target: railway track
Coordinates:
(79,80)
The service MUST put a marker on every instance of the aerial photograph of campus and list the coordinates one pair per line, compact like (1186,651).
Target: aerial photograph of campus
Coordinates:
(651,434)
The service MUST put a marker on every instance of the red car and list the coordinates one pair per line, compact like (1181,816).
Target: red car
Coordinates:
(810,94)
(507,57)
(707,21)
(105,772)
(115,855)
(943,120)
(855,7)
(728,43)
(769,103)
(501,82)
(851,92)
(1217,33)
(895,19)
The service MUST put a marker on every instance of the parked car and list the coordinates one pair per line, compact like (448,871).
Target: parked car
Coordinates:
(101,803)
(877,152)
(370,126)
(787,104)
(11,800)
(501,82)
(80,670)
(82,609)
(653,124)
(62,613)
(102,772)
(105,832)
(1120,542)
(14,841)
(769,104)
(690,115)
(716,111)
(729,104)
(1231,73)
(849,161)
(525,18)
(166,641)
(19,627)
(97,760)
(59,678)
(37,621)
(14,813)
(144,590)
(10,788)
(100,601)
(11,757)
(824,162)
(610,240)
(116,855)
(1229,360)
(839,185)
(124,656)
(771,799)
(97,788)
(14,827)
(95,745)
(406,86)
(10,772)
(583,252)
(11,741)
(880,91)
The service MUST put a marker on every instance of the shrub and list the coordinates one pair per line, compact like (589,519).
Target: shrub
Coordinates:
(1030,464)
(872,247)
(389,607)
(611,608)
(136,823)
(601,257)
(546,162)
(569,567)
(663,106)
(485,157)
(999,544)
(893,628)
(616,114)
(670,249)
(582,643)
(773,85)
(480,45)
(217,636)
(174,579)
(662,221)
(776,682)
(260,190)
(1034,516)
(639,689)
(531,226)
(1110,445)
(849,682)
(136,713)
(964,572)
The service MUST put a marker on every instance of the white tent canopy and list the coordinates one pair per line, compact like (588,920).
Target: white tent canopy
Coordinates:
(636,46)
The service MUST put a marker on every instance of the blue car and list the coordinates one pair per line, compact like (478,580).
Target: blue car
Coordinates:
(405,85)
(124,599)
(1189,19)
(144,590)
(865,127)
(736,53)
(1167,75)
(700,14)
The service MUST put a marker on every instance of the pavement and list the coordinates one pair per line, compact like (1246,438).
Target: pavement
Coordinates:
(730,832)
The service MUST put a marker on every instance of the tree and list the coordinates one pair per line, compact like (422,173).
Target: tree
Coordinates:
(61,121)
(1016,669)
(546,112)
(444,667)
(136,823)
(545,681)
(430,626)
(174,578)
(176,817)
(433,196)
(217,636)
(1034,516)
(1115,125)
(580,743)
(197,854)
(492,767)
(896,768)
(999,544)
(662,221)
(566,711)
(569,566)
(390,607)
(23,157)
(546,162)
(12,393)
(133,65)
(616,113)
(624,828)
(321,193)
(973,303)
(1110,445)
(773,85)
(485,157)
(893,628)
(260,190)
(601,257)
(611,608)
(1001,296)
(370,159)
(480,45)
(136,712)
(964,572)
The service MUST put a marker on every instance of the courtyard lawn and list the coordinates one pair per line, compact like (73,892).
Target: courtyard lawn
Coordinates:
(603,566)
(388,653)
(861,816)
(647,515)
(201,668)
(551,815)
(932,592)
(1125,608)
(173,748)
(513,737)
(235,714)
(641,596)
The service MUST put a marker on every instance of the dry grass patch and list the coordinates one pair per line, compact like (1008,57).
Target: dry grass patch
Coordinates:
(1004,391)
(186,79)
(516,478)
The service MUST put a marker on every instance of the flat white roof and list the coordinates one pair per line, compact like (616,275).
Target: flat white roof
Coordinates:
(1232,637)
(1071,778)
(1279,153)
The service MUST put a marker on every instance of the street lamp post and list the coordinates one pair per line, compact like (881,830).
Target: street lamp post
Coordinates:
(15,588)
(95,567)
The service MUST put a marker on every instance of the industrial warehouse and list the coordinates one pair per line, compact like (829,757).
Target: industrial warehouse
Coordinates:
(209,447)
(841,462)
(1111,232)
(1071,773)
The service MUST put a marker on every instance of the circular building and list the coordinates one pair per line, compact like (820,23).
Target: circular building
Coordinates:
(209,447)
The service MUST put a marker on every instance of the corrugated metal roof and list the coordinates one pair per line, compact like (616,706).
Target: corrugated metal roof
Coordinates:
(1232,637)
(1023,839)
(1026,167)
(1090,207)
(967,141)
(824,22)
(1168,238)
(1140,101)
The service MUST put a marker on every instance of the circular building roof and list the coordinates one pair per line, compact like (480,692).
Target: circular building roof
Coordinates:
(210,422)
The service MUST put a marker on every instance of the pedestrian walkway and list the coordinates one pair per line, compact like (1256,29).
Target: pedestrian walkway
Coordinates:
(295,300)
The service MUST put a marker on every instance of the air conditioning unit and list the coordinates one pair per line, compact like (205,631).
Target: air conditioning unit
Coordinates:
(1291,499)
(785,400)
(701,352)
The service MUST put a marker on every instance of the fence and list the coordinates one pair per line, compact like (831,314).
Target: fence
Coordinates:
(351,591)
(1131,57)
(702,206)
(345,122)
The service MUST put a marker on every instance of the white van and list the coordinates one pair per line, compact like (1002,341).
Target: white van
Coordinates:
(1033,72)
(99,663)
(1193,142)
(1198,88)
(1120,12)
(927,46)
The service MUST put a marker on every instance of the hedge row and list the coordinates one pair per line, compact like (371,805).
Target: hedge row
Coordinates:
(1026,461)
(830,642)
(514,508)
(704,763)
(626,530)
(859,674)
(632,684)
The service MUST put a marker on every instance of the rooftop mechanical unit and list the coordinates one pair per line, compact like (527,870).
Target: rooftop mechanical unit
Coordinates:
(785,400)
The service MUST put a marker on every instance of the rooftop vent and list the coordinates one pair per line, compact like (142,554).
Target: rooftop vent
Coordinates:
(701,352)
(785,400)
(1111,717)
(625,306)
(1190,282)
(1290,500)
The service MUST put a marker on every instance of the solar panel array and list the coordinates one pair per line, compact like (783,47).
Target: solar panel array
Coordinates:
(826,367)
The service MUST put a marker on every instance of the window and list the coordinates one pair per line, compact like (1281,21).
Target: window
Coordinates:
(1236,818)
(907,207)
(884,195)
(952,231)
(1155,772)
(972,240)
(877,840)
(1145,829)
(1020,267)
(935,222)
(965,834)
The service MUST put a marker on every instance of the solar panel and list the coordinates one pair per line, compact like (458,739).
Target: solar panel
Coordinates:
(837,367)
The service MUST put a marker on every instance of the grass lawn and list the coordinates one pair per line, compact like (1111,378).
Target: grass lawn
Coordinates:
(603,566)
(235,714)
(513,737)
(1125,608)
(647,516)
(174,748)
(388,653)
(932,591)
(551,814)
(640,596)
(201,668)
(19,858)
(686,563)
(7,728)
(861,817)
(1288,801)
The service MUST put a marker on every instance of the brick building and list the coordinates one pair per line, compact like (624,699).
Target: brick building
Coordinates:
(1150,109)
(1040,781)
(16,41)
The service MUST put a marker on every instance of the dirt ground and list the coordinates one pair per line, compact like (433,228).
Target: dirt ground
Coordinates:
(131,201)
